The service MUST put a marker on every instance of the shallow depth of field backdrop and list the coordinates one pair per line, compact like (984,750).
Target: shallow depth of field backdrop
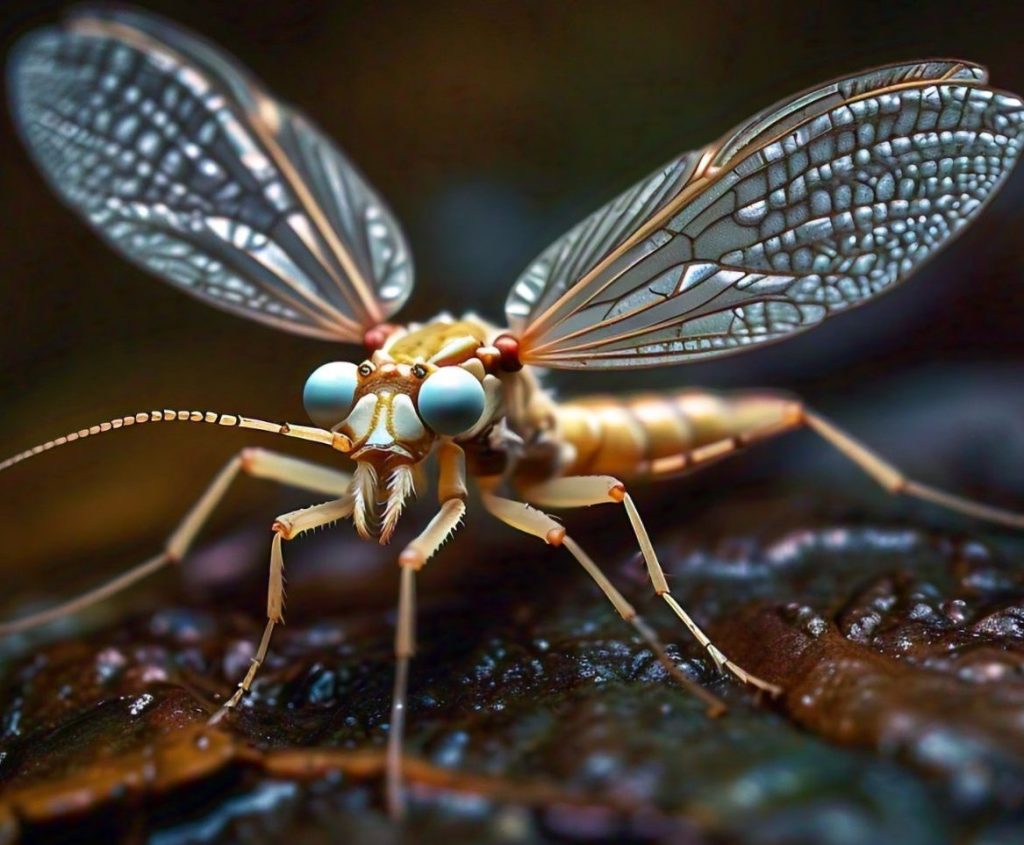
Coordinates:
(489,128)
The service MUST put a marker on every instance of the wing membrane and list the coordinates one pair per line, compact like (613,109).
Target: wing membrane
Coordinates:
(568,258)
(810,208)
(186,166)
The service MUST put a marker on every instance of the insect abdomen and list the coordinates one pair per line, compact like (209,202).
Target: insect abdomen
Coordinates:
(656,435)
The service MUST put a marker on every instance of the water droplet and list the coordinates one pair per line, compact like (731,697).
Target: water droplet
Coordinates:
(140,704)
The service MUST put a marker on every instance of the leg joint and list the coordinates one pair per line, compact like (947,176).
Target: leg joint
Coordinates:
(248,456)
(555,536)
(896,484)
(412,558)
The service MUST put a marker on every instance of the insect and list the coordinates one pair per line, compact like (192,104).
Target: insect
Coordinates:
(189,168)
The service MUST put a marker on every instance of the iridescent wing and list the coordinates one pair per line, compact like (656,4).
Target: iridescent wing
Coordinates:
(811,207)
(190,169)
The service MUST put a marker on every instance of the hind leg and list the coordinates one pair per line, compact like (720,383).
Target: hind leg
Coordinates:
(709,428)
(579,491)
(893,480)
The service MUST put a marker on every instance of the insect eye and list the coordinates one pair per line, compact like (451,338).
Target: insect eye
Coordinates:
(419,371)
(451,400)
(365,369)
(329,393)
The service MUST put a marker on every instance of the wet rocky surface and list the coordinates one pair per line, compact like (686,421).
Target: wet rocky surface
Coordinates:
(896,632)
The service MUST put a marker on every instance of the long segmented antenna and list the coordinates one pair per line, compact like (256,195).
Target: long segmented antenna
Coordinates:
(302,432)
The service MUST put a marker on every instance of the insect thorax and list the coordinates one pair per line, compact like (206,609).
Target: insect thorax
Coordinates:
(457,340)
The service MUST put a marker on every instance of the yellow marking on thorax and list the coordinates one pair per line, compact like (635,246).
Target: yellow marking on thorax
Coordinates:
(424,343)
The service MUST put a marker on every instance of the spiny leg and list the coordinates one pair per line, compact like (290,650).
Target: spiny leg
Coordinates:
(579,491)
(257,463)
(286,527)
(451,492)
(529,520)
(894,481)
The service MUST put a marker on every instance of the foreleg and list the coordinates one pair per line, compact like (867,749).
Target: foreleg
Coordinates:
(451,492)
(258,463)
(286,527)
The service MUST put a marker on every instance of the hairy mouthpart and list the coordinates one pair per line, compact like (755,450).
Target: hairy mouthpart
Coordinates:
(401,485)
(364,493)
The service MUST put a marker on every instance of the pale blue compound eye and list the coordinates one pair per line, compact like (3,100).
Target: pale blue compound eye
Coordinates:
(329,392)
(451,401)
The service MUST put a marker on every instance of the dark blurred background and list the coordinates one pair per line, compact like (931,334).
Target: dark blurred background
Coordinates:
(490,128)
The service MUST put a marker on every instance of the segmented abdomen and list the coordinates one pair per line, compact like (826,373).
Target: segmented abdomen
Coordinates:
(656,435)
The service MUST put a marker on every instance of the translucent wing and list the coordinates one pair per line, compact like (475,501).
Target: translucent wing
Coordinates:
(569,258)
(811,207)
(186,166)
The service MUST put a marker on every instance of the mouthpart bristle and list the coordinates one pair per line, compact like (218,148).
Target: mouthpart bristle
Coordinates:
(364,489)
(401,485)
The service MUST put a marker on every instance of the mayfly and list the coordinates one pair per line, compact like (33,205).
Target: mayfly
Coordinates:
(188,167)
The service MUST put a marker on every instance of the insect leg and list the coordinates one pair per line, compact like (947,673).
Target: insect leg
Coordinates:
(532,521)
(451,492)
(580,491)
(258,463)
(896,482)
(286,527)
